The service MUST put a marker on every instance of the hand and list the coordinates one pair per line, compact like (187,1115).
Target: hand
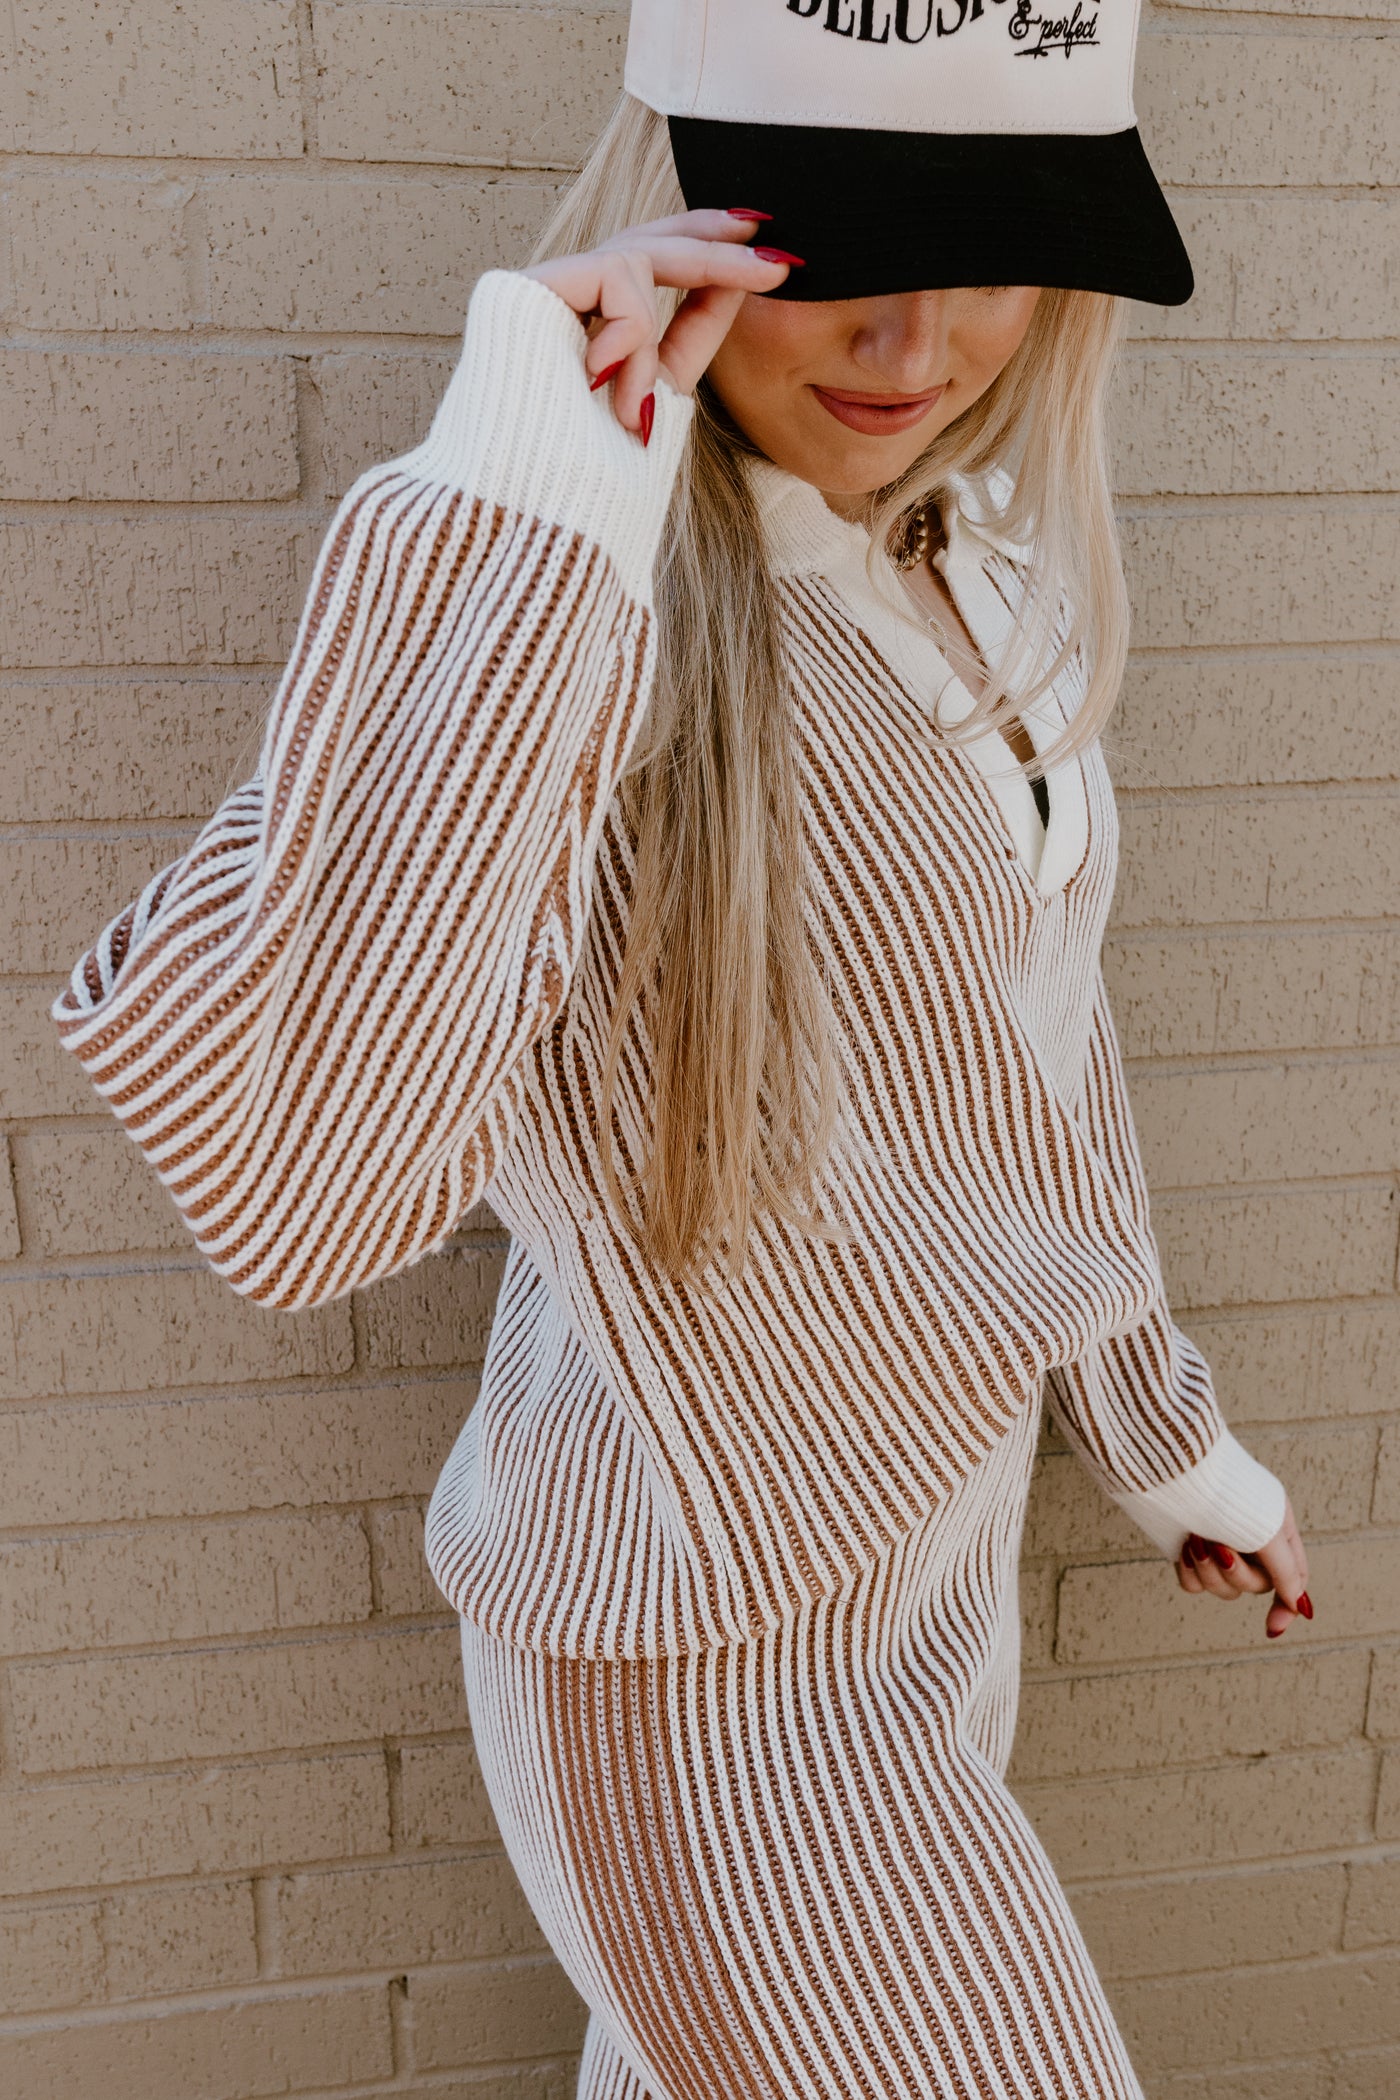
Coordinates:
(1281,1566)
(702,253)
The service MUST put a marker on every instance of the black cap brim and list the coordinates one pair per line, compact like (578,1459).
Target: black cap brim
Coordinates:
(895,211)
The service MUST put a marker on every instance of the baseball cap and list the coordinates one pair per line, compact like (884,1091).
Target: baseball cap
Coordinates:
(904,145)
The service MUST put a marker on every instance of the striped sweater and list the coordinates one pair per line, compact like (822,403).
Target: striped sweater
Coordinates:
(377,988)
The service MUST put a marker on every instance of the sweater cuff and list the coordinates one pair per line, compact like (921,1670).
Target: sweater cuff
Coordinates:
(1227,1495)
(519,428)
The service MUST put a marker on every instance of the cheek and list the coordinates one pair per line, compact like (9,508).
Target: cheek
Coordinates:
(992,337)
(757,368)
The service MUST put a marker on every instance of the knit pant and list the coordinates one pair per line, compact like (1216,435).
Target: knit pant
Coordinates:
(784,1869)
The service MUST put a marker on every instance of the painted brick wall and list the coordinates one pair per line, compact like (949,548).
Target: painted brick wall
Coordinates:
(246,1848)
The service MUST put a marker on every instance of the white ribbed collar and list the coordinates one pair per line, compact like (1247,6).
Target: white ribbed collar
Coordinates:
(805,538)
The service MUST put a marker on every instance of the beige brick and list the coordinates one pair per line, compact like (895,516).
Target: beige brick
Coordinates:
(1039,1604)
(1239,721)
(494,86)
(1246,424)
(404,1587)
(176,1458)
(295,1695)
(1212,994)
(152,77)
(372,408)
(1385,1506)
(95,591)
(1388,1797)
(63,891)
(437,1312)
(1290,1366)
(1281,269)
(551,2081)
(1237,2016)
(1310,2080)
(93,1192)
(50,1957)
(1156,1928)
(146,428)
(182,1582)
(1370,2074)
(1383,1709)
(10,1242)
(73,1335)
(444,1798)
(396,257)
(1148,1719)
(1273,1245)
(138,1944)
(109,252)
(1329,856)
(248,1816)
(1361,10)
(37,1077)
(1202,1817)
(1257,109)
(261,2045)
(414,1912)
(1373,1903)
(160,748)
(1113,1614)
(494,2011)
(1226,576)
(1269,1122)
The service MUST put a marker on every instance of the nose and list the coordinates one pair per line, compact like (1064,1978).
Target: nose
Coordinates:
(902,340)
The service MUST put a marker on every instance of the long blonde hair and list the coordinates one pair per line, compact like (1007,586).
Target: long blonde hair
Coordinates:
(719,975)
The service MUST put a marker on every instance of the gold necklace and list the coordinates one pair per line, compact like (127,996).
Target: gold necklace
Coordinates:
(912,538)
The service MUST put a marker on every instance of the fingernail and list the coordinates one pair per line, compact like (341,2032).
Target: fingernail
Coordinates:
(779,255)
(1195,1548)
(648,417)
(603,377)
(741,211)
(1305,1605)
(1275,1633)
(1224,1557)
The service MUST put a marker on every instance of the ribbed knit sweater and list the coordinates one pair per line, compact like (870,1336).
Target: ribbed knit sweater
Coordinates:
(377,987)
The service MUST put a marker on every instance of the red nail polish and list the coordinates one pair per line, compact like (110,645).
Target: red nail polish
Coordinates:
(779,255)
(1195,1548)
(1224,1557)
(1275,1633)
(603,377)
(741,211)
(1305,1605)
(648,414)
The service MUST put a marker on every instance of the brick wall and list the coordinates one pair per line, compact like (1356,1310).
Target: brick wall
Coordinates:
(247,1851)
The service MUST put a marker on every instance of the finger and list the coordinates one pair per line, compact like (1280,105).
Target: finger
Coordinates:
(702,321)
(1282,1564)
(736,226)
(1279,1619)
(687,264)
(1236,1570)
(625,298)
(633,384)
(1188,1578)
(1211,1576)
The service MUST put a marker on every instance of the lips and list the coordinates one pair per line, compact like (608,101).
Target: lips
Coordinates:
(878,415)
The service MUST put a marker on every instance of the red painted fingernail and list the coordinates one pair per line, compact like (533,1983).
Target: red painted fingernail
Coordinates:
(741,211)
(1275,1633)
(1223,1556)
(1195,1548)
(648,414)
(1305,1605)
(779,255)
(603,377)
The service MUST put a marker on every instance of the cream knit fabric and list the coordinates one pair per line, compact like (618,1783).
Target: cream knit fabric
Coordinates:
(377,987)
(737,1573)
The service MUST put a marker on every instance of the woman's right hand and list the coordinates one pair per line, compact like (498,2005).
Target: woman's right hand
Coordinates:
(706,255)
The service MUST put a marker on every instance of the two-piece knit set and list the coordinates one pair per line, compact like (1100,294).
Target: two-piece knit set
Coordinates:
(736,1570)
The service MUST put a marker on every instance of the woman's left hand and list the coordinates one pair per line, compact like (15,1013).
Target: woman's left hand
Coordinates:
(1206,1565)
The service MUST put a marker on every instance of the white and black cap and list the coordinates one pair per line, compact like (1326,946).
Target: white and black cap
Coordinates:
(905,145)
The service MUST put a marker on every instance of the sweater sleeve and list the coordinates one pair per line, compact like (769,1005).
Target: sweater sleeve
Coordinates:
(1140,1408)
(313,1023)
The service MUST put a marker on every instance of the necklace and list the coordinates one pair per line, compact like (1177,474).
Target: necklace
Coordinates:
(912,539)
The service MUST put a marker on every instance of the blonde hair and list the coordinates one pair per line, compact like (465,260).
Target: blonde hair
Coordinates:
(719,977)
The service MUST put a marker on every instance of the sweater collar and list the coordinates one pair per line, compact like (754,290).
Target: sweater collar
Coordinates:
(804,537)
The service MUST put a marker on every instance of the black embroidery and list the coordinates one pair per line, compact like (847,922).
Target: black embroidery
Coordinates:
(911,21)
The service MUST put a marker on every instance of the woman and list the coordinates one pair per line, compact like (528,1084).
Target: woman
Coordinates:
(682,820)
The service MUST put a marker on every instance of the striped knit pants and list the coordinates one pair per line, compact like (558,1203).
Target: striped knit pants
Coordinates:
(785,1868)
